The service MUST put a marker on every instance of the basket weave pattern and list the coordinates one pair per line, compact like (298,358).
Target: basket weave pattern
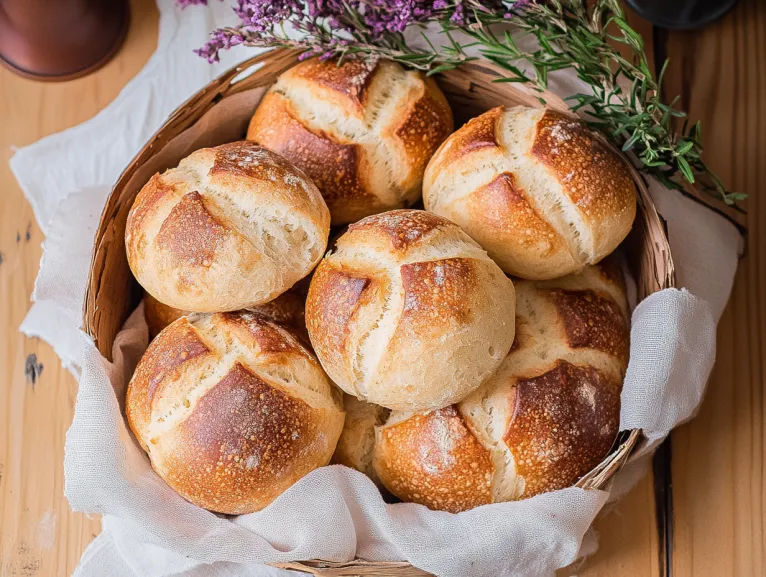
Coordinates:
(112,292)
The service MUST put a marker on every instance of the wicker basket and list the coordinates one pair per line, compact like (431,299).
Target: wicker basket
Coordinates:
(220,113)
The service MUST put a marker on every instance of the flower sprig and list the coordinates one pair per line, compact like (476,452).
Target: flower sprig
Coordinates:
(625,100)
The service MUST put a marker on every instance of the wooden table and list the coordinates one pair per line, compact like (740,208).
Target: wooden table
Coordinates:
(718,481)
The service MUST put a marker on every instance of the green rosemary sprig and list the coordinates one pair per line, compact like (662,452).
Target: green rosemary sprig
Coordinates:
(626,100)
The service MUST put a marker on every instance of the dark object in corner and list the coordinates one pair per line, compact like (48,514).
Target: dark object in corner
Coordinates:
(681,14)
(55,40)
(32,369)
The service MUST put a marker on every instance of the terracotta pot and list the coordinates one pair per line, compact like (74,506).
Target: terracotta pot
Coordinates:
(60,39)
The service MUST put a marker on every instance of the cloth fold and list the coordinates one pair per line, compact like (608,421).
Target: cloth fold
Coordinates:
(333,513)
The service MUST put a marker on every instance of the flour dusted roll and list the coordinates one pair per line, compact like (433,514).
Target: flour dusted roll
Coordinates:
(534,188)
(287,310)
(231,227)
(409,312)
(232,410)
(548,416)
(363,131)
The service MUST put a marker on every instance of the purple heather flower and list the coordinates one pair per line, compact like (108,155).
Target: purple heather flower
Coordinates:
(220,40)
(322,21)
(458,16)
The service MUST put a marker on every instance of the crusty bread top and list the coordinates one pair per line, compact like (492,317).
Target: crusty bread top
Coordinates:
(451,470)
(232,410)
(348,83)
(595,180)
(538,190)
(482,133)
(408,311)
(339,168)
(230,227)
(564,422)
(400,229)
(362,130)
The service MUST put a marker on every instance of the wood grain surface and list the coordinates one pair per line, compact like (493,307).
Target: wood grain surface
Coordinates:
(718,459)
(39,535)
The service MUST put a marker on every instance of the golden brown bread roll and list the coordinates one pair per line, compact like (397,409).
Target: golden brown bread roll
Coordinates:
(548,416)
(232,410)
(534,188)
(363,131)
(409,312)
(357,439)
(288,309)
(232,227)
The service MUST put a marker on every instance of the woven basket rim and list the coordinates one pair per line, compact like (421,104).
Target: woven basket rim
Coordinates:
(234,81)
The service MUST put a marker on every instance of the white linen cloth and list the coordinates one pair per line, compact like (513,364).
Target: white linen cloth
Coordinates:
(334,513)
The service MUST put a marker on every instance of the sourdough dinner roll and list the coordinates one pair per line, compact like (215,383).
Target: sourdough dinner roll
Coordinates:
(232,410)
(287,310)
(363,131)
(357,439)
(408,312)
(232,227)
(548,416)
(534,188)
